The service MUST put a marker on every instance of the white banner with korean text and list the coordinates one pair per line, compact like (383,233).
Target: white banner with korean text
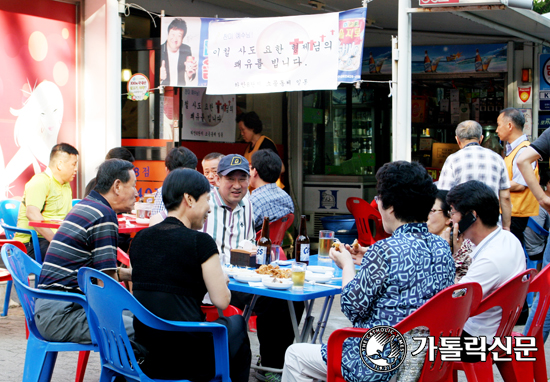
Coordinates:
(207,117)
(275,54)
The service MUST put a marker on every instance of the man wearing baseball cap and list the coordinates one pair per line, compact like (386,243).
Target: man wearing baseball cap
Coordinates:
(231,220)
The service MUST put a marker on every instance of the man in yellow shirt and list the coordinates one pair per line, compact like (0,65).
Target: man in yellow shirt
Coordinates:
(48,196)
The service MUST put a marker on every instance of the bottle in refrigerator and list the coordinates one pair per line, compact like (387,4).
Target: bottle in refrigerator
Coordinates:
(301,251)
(263,253)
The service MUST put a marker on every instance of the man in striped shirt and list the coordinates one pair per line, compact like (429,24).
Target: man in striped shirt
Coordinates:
(87,238)
(231,219)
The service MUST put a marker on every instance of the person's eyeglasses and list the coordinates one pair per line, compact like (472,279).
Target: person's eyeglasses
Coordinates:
(433,210)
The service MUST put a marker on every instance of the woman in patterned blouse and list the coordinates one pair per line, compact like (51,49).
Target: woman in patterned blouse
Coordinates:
(397,275)
(439,223)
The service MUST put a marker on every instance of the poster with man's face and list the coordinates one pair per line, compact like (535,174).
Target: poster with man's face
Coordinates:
(182,51)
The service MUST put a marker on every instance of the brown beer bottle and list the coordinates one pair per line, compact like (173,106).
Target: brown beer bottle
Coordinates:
(263,253)
(301,251)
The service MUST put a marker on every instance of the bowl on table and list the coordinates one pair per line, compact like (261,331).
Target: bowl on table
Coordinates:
(232,271)
(319,269)
(246,277)
(319,277)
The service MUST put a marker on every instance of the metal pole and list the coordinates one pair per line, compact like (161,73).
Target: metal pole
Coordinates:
(402,134)
(395,66)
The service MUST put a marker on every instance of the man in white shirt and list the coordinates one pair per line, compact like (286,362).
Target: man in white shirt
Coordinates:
(497,257)
(178,66)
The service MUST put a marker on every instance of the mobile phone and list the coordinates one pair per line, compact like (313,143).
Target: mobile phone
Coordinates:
(465,223)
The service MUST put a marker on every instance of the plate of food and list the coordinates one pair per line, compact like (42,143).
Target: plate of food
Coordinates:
(246,277)
(275,271)
(276,283)
(319,269)
(318,277)
(232,271)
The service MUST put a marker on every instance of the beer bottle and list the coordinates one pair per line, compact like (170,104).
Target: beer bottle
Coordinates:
(478,62)
(263,253)
(427,62)
(372,65)
(301,252)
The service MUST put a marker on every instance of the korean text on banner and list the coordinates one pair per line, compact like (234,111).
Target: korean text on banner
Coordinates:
(274,54)
(208,117)
(350,51)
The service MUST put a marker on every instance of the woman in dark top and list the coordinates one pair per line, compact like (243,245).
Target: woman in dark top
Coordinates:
(251,128)
(173,267)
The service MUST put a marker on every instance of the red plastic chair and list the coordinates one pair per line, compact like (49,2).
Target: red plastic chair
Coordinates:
(444,315)
(363,212)
(277,231)
(212,315)
(510,298)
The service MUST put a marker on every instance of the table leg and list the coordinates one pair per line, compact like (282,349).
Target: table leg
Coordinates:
(323,319)
(293,319)
(308,321)
(248,309)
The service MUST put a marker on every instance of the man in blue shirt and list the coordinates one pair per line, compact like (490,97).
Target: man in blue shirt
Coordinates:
(267,198)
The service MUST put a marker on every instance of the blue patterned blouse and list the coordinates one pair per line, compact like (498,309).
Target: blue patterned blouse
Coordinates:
(397,276)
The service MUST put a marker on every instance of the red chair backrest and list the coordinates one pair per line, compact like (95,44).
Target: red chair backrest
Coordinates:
(540,284)
(510,296)
(212,314)
(122,257)
(16,243)
(444,314)
(277,229)
(363,212)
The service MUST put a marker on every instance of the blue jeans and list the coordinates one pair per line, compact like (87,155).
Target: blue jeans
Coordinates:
(546,326)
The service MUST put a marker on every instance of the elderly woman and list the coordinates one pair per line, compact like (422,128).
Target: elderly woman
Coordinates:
(439,223)
(397,275)
(174,265)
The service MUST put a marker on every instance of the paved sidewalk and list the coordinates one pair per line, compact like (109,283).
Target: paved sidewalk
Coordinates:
(13,346)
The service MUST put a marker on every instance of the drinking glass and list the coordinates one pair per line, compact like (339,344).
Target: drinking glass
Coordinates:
(325,242)
(275,251)
(298,276)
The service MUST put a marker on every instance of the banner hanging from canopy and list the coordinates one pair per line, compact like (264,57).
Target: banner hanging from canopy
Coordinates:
(275,54)
(262,55)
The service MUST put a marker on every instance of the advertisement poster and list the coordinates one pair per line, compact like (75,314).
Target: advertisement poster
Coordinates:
(183,53)
(274,54)
(37,88)
(544,103)
(208,117)
(350,51)
(442,59)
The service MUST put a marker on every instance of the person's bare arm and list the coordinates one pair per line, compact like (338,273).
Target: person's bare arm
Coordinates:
(528,156)
(516,187)
(121,274)
(216,282)
(506,208)
(33,214)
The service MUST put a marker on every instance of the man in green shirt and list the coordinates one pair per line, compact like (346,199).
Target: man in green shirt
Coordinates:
(48,196)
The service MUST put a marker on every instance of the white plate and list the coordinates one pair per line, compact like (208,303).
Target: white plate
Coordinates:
(279,284)
(142,221)
(319,269)
(231,272)
(318,277)
(247,277)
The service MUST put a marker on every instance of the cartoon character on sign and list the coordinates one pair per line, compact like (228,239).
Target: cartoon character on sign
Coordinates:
(35,133)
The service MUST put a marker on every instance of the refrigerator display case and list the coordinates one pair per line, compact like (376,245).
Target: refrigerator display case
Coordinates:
(340,132)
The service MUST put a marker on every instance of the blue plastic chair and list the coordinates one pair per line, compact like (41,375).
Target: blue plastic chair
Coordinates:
(106,304)
(9,209)
(4,277)
(10,234)
(76,201)
(41,354)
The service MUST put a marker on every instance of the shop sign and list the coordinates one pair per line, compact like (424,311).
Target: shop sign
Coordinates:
(524,94)
(544,72)
(544,121)
(544,100)
(138,87)
(526,4)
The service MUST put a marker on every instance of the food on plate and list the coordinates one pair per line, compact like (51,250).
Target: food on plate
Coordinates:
(274,271)
(336,246)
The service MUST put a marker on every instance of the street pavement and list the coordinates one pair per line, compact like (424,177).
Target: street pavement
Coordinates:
(13,346)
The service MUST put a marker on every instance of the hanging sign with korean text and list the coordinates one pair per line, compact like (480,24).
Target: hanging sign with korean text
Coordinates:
(207,117)
(351,34)
(274,54)
(138,87)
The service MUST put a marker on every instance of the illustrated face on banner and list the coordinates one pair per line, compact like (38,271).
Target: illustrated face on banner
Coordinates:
(37,88)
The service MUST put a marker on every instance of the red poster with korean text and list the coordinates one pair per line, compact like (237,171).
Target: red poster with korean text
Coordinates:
(37,87)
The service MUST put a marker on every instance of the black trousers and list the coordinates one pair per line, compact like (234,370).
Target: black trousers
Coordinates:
(43,243)
(275,332)
(518,226)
